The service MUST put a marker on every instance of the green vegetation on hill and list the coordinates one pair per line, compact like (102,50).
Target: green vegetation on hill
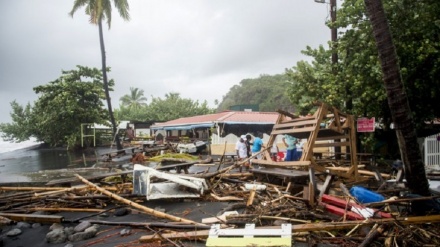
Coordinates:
(267,91)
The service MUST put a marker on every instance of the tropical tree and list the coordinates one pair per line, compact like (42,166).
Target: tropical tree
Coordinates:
(76,97)
(131,114)
(100,10)
(414,26)
(173,107)
(21,127)
(134,100)
(397,99)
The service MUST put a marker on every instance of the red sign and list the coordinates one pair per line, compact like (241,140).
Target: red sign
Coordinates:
(365,125)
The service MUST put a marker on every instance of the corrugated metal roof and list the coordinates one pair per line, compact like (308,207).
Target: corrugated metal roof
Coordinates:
(236,117)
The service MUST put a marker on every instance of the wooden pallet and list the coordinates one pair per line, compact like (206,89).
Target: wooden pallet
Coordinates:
(250,236)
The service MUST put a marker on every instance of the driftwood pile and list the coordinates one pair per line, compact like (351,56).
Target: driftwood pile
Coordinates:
(262,203)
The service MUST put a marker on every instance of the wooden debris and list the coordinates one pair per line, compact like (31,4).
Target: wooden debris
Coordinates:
(296,196)
(34,218)
(137,205)
(226,198)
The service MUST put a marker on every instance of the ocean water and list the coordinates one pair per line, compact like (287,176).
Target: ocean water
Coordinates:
(6,146)
(18,159)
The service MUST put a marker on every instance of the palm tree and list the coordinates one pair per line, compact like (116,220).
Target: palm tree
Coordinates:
(397,100)
(135,99)
(100,10)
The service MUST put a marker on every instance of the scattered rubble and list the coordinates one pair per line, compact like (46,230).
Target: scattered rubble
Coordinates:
(276,199)
(337,202)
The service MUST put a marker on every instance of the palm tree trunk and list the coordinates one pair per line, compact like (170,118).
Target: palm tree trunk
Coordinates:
(107,93)
(397,100)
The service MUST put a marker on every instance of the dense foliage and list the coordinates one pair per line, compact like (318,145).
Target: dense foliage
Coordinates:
(21,128)
(171,107)
(415,26)
(267,91)
(63,105)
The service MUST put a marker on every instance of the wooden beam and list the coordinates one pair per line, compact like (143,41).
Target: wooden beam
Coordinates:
(295,124)
(286,113)
(45,219)
(293,131)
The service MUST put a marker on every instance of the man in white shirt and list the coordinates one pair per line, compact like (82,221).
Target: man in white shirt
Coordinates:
(241,149)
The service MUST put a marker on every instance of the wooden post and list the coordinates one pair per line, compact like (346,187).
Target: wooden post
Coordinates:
(251,197)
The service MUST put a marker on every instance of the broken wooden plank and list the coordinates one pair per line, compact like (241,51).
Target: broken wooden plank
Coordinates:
(36,218)
(94,210)
(251,197)
(348,205)
(74,179)
(226,198)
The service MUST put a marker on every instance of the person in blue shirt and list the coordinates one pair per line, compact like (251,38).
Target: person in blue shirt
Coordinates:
(257,145)
(290,142)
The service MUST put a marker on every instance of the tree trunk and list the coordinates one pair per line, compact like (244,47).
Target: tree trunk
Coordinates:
(107,93)
(397,100)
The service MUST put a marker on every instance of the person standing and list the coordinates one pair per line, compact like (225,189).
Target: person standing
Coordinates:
(241,150)
(248,145)
(274,152)
(289,141)
(129,133)
(299,149)
(257,145)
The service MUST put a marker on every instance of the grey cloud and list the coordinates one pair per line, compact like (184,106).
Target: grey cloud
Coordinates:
(198,48)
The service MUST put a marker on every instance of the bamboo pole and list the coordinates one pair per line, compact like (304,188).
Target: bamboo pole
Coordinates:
(90,210)
(31,188)
(52,193)
(137,205)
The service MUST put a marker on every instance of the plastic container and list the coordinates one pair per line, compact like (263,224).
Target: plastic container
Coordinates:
(364,195)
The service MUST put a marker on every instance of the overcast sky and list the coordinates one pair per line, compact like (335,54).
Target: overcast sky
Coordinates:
(198,48)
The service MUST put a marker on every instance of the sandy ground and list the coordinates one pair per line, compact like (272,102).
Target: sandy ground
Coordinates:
(109,235)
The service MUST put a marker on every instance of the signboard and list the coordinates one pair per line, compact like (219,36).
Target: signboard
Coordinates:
(365,124)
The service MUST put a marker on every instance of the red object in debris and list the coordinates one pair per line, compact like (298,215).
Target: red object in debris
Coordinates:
(280,156)
(342,203)
(341,212)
